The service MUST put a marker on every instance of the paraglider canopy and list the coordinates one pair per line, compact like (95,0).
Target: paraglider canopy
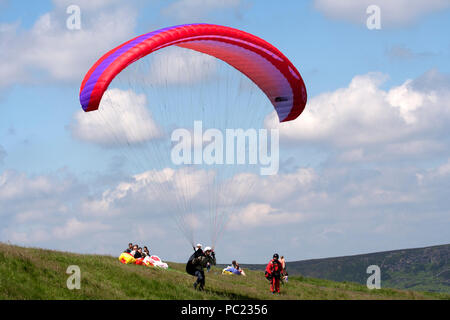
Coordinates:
(264,64)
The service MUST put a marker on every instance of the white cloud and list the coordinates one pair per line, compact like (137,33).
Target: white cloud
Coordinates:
(28,237)
(122,118)
(88,5)
(320,208)
(393,13)
(15,186)
(393,151)
(195,10)
(438,176)
(31,205)
(191,189)
(73,227)
(148,230)
(379,196)
(49,51)
(28,200)
(164,190)
(402,120)
(444,169)
(408,100)
(272,189)
(257,215)
(348,116)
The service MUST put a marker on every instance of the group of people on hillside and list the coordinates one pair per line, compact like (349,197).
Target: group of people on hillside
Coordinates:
(275,270)
(136,251)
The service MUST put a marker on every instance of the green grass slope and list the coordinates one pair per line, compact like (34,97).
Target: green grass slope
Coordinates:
(30,273)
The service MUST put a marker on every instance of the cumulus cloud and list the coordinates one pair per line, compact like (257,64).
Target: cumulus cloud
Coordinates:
(437,176)
(408,100)
(50,51)
(274,189)
(393,13)
(32,205)
(249,197)
(319,208)
(195,10)
(164,190)
(347,116)
(56,210)
(27,200)
(25,237)
(261,214)
(362,117)
(86,4)
(43,210)
(122,118)
(16,186)
(73,227)
(69,230)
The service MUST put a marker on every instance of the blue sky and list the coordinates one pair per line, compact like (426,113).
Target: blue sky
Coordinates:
(365,168)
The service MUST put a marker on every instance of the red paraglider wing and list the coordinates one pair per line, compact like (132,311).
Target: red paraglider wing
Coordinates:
(264,64)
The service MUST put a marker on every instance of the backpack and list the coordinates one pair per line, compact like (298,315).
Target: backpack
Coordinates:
(190,266)
(276,269)
(276,272)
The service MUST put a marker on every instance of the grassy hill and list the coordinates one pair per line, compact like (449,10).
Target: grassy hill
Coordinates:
(30,273)
(422,269)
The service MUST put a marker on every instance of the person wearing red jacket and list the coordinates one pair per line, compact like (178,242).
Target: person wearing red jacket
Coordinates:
(273,273)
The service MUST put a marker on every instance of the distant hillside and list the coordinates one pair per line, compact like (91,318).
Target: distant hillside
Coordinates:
(423,269)
(30,273)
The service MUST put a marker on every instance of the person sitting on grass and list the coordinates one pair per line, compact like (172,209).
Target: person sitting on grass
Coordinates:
(146,252)
(237,267)
(135,249)
(130,248)
(138,253)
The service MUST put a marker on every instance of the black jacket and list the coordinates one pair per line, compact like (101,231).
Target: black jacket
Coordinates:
(198,260)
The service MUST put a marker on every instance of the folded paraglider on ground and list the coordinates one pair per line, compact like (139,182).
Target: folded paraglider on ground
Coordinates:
(148,260)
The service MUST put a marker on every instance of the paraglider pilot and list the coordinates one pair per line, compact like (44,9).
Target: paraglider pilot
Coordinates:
(197,262)
(273,273)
